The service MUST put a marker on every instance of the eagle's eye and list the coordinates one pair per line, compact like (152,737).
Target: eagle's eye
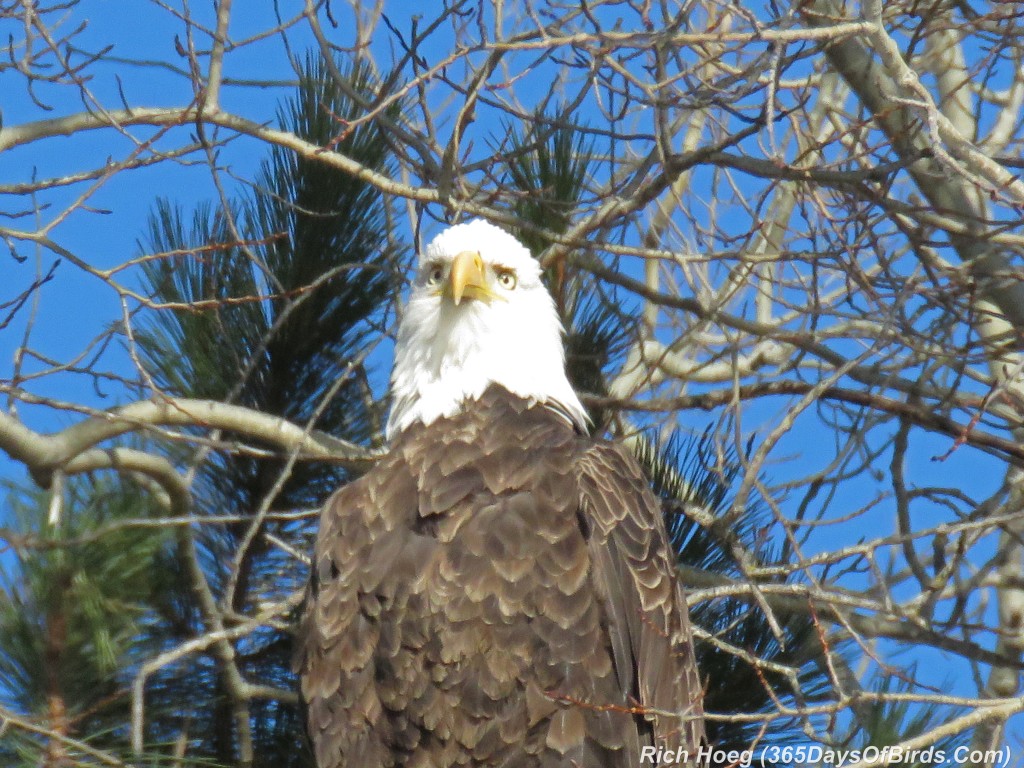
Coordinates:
(507,279)
(435,273)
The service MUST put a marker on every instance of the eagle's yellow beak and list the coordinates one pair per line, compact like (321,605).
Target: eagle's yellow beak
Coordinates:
(468,279)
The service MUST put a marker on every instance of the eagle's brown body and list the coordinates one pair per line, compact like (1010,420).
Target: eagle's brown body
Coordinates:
(497,591)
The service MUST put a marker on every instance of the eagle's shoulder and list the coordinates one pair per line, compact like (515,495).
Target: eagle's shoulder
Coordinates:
(381,497)
(613,485)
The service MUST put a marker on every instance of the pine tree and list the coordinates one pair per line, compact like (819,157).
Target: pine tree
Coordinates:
(73,609)
(313,242)
(272,302)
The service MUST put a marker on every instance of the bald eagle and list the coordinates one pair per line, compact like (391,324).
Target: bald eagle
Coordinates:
(499,589)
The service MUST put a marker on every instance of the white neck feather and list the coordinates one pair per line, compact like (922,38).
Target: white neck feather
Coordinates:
(447,355)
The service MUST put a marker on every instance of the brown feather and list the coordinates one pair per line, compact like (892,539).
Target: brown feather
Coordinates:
(646,593)
(497,591)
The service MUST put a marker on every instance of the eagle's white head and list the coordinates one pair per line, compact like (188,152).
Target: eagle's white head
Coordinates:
(478,314)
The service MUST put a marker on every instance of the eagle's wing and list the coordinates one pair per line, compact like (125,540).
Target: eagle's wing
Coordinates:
(634,570)
(360,563)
